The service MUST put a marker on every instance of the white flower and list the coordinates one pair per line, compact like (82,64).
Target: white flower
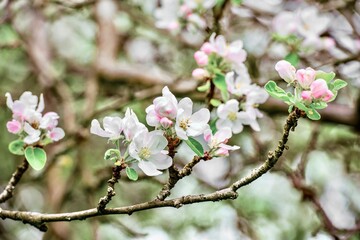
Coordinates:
(131,125)
(238,83)
(113,126)
(217,142)
(285,23)
(148,149)
(229,116)
(188,124)
(311,23)
(167,15)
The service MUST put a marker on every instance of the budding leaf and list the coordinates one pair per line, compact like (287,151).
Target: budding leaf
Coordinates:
(277,92)
(301,106)
(17,147)
(339,84)
(36,157)
(205,87)
(131,173)
(324,75)
(312,114)
(319,105)
(195,146)
(220,83)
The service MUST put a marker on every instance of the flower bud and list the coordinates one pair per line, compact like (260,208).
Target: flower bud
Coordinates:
(305,77)
(200,73)
(319,88)
(207,48)
(306,96)
(286,71)
(201,58)
(165,122)
(13,126)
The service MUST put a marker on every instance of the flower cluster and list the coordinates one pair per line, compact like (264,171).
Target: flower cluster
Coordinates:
(312,89)
(301,25)
(147,148)
(218,56)
(177,117)
(217,142)
(29,123)
(175,15)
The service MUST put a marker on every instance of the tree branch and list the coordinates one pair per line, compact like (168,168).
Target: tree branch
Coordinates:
(8,192)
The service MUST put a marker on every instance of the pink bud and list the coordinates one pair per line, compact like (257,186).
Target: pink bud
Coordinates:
(165,122)
(306,96)
(319,88)
(201,58)
(207,48)
(13,126)
(222,152)
(285,70)
(305,77)
(328,96)
(200,73)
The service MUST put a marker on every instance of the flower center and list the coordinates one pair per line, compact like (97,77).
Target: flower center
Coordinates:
(184,124)
(232,116)
(144,153)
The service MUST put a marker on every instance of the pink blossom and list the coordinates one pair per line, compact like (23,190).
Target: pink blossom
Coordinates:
(201,58)
(56,134)
(306,96)
(328,96)
(165,122)
(13,126)
(200,73)
(305,77)
(319,88)
(286,71)
(217,142)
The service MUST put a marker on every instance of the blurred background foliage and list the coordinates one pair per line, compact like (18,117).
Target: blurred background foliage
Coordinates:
(54,47)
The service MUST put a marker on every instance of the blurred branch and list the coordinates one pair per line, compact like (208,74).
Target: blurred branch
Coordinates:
(8,192)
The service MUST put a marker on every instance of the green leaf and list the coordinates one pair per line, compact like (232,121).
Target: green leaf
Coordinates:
(205,87)
(312,114)
(36,157)
(290,109)
(17,147)
(319,105)
(213,125)
(292,58)
(339,84)
(324,75)
(131,173)
(195,146)
(112,155)
(215,102)
(219,82)
(277,92)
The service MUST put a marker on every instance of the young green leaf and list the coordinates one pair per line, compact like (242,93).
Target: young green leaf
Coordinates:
(339,84)
(219,82)
(277,92)
(301,106)
(36,157)
(17,147)
(319,105)
(131,173)
(205,87)
(324,75)
(195,146)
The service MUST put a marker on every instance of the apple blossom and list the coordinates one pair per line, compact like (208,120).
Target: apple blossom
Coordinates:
(200,73)
(286,71)
(148,149)
(239,83)
(201,58)
(132,126)
(33,134)
(14,126)
(229,116)
(188,124)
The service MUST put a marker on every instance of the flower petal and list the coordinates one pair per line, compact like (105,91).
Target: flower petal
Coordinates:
(149,168)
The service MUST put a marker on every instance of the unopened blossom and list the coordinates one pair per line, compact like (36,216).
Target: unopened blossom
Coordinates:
(148,149)
(286,71)
(164,106)
(113,127)
(319,91)
(200,73)
(207,48)
(201,58)
(305,77)
(217,142)
(229,116)
(188,124)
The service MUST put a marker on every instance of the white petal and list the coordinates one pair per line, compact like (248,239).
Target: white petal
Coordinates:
(41,105)
(156,142)
(187,105)
(97,130)
(56,134)
(180,133)
(161,161)
(9,101)
(149,168)
(237,127)
(223,134)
